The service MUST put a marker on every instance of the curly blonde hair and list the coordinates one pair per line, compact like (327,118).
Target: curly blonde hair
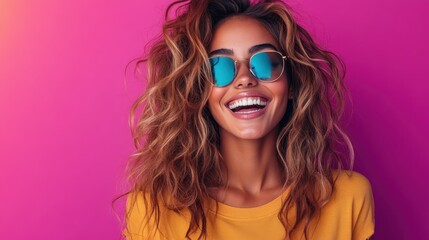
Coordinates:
(177,139)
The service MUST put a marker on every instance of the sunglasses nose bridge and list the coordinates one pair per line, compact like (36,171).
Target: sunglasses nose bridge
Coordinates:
(244,74)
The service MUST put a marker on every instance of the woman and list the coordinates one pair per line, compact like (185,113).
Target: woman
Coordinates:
(239,136)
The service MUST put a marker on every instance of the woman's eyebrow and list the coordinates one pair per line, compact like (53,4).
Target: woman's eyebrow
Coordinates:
(256,48)
(222,51)
(259,47)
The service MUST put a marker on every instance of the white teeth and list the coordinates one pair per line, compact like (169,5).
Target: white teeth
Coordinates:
(247,102)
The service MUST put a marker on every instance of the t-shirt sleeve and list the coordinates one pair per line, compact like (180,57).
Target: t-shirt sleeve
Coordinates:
(136,227)
(363,209)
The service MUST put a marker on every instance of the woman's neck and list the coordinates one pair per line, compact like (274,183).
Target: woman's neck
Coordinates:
(252,165)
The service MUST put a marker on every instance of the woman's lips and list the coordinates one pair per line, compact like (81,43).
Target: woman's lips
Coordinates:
(250,113)
(248,105)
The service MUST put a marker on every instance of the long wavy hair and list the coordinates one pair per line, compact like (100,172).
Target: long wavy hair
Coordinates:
(177,139)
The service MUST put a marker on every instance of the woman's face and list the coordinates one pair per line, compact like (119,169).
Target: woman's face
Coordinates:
(239,38)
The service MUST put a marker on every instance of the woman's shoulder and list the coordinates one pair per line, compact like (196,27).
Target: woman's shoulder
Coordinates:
(136,199)
(353,201)
(136,205)
(351,183)
(147,220)
(141,204)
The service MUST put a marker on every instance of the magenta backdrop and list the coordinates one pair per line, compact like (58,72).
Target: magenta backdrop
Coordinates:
(64,102)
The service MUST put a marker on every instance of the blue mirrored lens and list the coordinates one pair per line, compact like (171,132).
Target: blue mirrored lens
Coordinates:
(261,65)
(223,70)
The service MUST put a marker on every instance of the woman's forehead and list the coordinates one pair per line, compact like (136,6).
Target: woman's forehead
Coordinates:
(239,34)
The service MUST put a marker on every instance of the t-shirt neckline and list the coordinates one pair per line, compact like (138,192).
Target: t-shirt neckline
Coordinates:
(265,210)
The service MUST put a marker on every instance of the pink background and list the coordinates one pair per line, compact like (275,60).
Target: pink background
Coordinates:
(64,102)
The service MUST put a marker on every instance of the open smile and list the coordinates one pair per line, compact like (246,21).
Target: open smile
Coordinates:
(247,104)
(248,107)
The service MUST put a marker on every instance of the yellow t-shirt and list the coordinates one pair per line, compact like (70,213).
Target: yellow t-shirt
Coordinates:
(348,215)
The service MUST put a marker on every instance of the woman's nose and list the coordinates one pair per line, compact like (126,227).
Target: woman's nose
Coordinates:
(244,77)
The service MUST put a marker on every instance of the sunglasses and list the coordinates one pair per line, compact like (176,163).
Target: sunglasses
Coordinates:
(266,66)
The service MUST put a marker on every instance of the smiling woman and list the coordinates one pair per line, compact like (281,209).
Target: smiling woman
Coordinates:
(239,135)
(232,106)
